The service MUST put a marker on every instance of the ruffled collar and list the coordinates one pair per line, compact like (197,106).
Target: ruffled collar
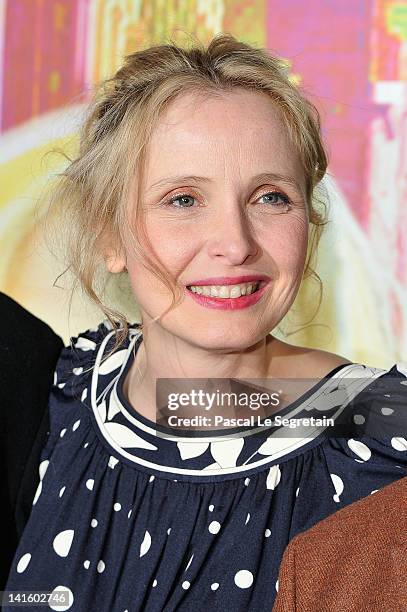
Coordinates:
(148,445)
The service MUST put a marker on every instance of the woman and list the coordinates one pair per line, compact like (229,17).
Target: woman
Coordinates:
(196,177)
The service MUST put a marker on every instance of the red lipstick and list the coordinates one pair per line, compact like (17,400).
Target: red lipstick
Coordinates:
(244,301)
(229,280)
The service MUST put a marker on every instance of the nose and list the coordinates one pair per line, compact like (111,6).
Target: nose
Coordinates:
(231,236)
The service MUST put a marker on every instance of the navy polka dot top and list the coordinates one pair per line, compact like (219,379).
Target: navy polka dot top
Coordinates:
(128,517)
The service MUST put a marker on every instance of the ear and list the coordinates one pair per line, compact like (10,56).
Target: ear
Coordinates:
(115,261)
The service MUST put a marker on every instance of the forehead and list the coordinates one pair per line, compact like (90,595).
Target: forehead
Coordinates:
(235,131)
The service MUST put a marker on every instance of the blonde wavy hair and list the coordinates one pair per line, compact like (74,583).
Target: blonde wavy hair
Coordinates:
(90,197)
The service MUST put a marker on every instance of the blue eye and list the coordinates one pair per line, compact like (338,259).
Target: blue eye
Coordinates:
(284,200)
(187,201)
(181,197)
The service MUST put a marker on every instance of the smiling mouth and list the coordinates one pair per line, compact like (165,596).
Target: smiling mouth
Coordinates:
(227,291)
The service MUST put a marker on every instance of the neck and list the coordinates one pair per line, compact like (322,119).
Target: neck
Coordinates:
(164,355)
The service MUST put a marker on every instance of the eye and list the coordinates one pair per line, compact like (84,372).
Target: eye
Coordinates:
(184,199)
(274,196)
(275,199)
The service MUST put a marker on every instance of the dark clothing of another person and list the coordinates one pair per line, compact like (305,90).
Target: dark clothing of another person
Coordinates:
(29,350)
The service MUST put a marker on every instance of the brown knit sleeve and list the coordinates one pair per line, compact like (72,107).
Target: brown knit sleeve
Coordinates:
(286,597)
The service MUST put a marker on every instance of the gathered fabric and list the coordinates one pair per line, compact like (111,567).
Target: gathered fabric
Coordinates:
(130,517)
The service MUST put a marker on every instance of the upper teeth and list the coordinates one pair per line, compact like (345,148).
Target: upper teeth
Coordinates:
(225,291)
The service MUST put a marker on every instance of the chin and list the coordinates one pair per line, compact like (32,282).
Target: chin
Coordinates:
(213,339)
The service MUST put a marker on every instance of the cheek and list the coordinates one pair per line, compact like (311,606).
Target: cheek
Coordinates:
(286,243)
(171,248)
(175,244)
(174,241)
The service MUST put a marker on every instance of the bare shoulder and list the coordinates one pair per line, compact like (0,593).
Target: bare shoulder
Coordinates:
(305,362)
(324,361)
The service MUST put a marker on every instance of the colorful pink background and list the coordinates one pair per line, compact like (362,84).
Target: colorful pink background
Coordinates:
(351,58)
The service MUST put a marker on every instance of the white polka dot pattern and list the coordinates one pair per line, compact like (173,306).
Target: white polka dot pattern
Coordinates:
(158,520)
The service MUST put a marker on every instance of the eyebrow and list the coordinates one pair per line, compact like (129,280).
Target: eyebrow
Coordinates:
(192,178)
